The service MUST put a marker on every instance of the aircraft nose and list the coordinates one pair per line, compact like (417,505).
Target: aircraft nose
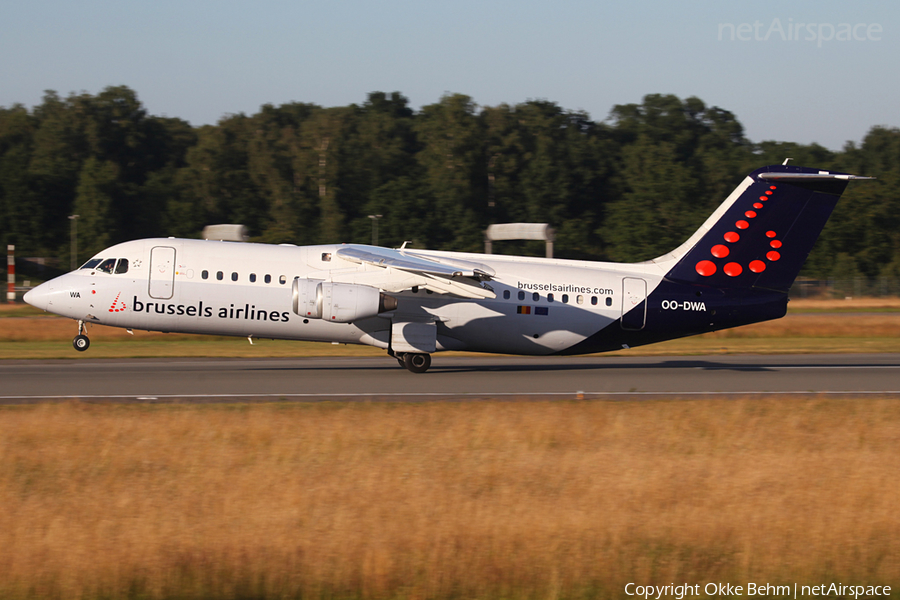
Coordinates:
(59,296)
(39,297)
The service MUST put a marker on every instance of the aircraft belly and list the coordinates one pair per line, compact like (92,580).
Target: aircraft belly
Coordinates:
(500,327)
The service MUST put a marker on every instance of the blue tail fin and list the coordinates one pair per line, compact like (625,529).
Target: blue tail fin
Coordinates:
(763,232)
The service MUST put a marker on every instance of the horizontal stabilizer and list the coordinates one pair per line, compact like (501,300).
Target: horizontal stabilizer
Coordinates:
(820,176)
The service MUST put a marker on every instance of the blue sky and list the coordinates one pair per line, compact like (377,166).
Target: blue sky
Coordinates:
(200,60)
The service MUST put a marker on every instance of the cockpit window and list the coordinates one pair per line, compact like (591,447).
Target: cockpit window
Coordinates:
(91,263)
(122,266)
(107,265)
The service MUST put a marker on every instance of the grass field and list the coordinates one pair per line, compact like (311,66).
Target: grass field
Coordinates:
(864,325)
(482,500)
(445,500)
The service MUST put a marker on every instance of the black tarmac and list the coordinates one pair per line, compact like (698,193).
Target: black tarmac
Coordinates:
(450,378)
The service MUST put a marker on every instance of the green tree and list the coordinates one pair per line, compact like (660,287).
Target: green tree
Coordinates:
(94,203)
(656,212)
(454,178)
(381,161)
(20,212)
(866,221)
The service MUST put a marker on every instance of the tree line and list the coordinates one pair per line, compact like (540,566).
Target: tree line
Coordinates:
(628,188)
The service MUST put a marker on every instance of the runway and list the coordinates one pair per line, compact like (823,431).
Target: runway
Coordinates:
(451,377)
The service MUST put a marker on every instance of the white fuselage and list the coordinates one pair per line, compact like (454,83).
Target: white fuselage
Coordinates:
(542,306)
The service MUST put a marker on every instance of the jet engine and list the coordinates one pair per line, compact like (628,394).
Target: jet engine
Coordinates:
(339,302)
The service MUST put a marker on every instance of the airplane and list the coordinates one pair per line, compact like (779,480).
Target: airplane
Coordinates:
(734,270)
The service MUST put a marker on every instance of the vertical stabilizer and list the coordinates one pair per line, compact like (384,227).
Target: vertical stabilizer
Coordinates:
(762,234)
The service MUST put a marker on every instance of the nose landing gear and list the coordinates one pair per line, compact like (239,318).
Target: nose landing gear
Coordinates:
(81,341)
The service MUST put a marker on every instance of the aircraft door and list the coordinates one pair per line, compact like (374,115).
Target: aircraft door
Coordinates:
(634,305)
(162,272)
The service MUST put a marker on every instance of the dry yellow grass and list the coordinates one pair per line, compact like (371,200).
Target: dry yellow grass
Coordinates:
(872,325)
(443,500)
(882,303)
(866,325)
(50,337)
(47,328)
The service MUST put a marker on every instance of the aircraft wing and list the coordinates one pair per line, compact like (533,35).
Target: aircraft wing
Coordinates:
(397,270)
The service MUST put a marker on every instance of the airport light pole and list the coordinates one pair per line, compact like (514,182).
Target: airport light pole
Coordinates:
(73,241)
(374,228)
(11,274)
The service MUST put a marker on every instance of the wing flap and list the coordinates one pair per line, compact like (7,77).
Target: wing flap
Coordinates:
(385,257)
(399,270)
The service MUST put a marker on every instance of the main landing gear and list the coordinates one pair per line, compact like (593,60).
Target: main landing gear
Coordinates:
(413,361)
(81,341)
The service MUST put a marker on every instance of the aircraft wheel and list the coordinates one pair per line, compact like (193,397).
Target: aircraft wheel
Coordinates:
(81,342)
(417,363)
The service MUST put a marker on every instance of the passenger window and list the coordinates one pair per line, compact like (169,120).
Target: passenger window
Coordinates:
(609,301)
(252,277)
(565,298)
(326,257)
(282,279)
(219,275)
(549,297)
(234,276)
(521,295)
(122,266)
(506,294)
(107,265)
(593,300)
(268,278)
(204,274)
(535,297)
(91,263)
(579,299)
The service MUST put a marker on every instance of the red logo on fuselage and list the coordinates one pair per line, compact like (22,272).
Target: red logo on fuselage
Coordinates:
(117,305)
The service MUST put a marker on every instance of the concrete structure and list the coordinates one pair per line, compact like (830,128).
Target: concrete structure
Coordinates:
(519,231)
(226,233)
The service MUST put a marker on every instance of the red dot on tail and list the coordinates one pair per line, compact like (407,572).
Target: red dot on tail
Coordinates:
(771,234)
(763,198)
(757,205)
(720,251)
(772,187)
(732,236)
(773,256)
(757,266)
(706,267)
(775,244)
(742,224)
(750,214)
(733,269)
(768,193)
